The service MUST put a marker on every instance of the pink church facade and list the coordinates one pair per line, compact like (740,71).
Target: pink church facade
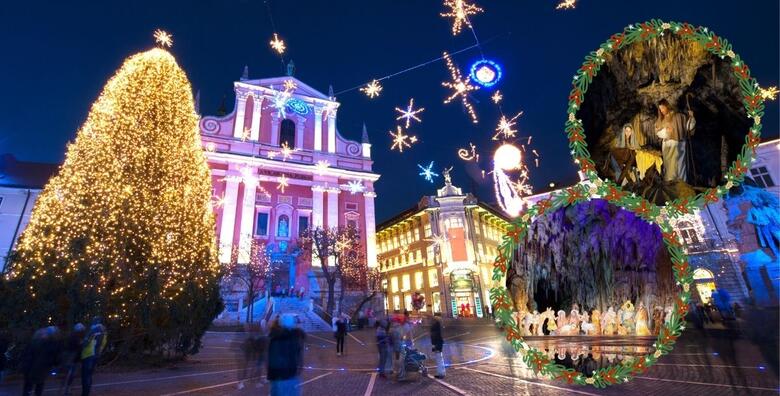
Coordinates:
(280,165)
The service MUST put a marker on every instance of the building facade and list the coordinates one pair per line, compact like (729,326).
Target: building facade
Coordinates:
(279,165)
(442,248)
(20,184)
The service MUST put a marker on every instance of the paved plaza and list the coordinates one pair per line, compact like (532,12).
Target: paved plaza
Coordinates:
(480,364)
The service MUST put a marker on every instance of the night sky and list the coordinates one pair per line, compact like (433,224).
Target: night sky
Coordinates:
(57,55)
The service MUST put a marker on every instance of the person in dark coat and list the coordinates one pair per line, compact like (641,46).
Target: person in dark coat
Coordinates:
(341,334)
(437,343)
(384,345)
(285,357)
(5,344)
(71,356)
(39,358)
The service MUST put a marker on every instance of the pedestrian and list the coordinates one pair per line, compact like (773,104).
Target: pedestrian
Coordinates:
(341,334)
(38,359)
(90,354)
(396,339)
(285,357)
(383,346)
(248,355)
(71,357)
(437,343)
(5,344)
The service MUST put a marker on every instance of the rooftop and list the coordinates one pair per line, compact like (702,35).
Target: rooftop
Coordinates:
(22,174)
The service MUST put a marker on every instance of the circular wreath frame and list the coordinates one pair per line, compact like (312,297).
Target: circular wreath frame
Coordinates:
(718,46)
(613,374)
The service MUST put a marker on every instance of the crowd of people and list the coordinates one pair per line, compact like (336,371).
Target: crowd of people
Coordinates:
(52,350)
(395,344)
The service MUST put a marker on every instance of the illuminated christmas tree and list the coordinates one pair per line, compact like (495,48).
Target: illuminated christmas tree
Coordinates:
(125,231)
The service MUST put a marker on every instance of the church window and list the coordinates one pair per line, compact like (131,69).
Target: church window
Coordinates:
(303,224)
(287,133)
(261,229)
(762,177)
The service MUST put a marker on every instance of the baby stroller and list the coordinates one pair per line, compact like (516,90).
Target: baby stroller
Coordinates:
(413,360)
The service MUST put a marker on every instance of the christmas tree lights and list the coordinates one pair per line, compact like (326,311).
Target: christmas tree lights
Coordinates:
(125,230)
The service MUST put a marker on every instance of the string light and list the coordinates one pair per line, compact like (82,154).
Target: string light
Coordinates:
(427,172)
(372,89)
(163,38)
(566,4)
(147,210)
(283,183)
(505,127)
(497,97)
(461,88)
(768,93)
(410,113)
(467,155)
(277,44)
(459,12)
(400,140)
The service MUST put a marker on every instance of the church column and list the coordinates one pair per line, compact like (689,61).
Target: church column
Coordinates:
(247,218)
(275,129)
(238,121)
(316,214)
(257,107)
(317,128)
(370,228)
(299,130)
(333,207)
(228,217)
(332,131)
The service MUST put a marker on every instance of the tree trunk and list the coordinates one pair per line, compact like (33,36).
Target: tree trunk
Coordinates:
(250,305)
(341,297)
(363,302)
(331,293)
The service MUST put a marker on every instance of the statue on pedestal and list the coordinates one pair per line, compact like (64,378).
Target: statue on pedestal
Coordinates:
(641,321)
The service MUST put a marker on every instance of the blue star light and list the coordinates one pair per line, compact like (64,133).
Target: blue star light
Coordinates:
(427,172)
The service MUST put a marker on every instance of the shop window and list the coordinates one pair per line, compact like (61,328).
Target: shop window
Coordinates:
(436,302)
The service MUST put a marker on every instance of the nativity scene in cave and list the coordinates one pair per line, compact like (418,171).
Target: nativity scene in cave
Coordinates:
(589,276)
(664,118)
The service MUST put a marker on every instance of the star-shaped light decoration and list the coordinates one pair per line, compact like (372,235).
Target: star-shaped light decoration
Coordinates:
(290,85)
(272,154)
(245,134)
(400,140)
(459,12)
(279,102)
(354,186)
(283,183)
(342,244)
(506,127)
(286,151)
(163,38)
(768,93)
(410,113)
(218,202)
(461,87)
(321,167)
(427,172)
(496,98)
(372,89)
(566,4)
(278,44)
(438,241)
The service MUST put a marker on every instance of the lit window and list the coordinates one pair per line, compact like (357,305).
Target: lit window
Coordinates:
(762,177)
(408,302)
(406,283)
(429,255)
(418,280)
(394,284)
(433,277)
(427,230)
(436,302)
(397,303)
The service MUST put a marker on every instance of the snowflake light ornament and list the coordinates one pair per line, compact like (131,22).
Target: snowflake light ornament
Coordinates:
(506,127)
(459,12)
(427,172)
(461,87)
(283,183)
(400,140)
(372,89)
(566,5)
(278,44)
(354,186)
(410,113)
(163,38)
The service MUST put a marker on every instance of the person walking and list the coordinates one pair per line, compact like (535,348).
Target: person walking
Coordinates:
(437,343)
(90,354)
(285,357)
(72,355)
(341,334)
(36,362)
(383,344)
